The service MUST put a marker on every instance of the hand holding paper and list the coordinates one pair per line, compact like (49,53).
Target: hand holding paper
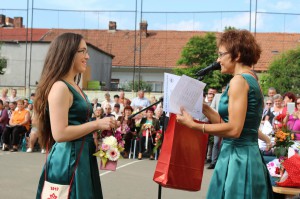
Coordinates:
(184,118)
(184,92)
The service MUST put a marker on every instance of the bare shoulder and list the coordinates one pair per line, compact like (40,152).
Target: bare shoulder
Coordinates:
(58,90)
(238,84)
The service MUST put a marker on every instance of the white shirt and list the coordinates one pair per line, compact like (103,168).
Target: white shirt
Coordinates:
(142,102)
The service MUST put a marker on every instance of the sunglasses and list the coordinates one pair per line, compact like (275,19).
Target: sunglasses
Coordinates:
(298,103)
(268,103)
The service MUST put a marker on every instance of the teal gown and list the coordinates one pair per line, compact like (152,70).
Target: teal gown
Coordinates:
(62,157)
(240,172)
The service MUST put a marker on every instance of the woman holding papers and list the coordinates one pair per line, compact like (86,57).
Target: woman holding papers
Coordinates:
(240,171)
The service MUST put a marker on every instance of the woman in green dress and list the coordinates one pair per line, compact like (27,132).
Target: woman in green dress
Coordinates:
(63,112)
(240,171)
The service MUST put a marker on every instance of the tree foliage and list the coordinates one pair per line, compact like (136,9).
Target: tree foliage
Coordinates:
(198,53)
(143,86)
(284,73)
(3,62)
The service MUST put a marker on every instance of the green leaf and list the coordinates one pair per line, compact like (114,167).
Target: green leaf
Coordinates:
(104,161)
(198,53)
(283,73)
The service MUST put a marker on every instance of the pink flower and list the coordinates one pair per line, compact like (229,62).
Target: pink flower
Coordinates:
(105,147)
(121,144)
(113,154)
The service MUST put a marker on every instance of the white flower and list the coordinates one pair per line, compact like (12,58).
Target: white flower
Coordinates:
(110,141)
(113,154)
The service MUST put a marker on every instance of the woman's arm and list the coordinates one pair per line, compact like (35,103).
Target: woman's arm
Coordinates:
(237,107)
(4,115)
(60,100)
(286,118)
(212,115)
(266,139)
(11,120)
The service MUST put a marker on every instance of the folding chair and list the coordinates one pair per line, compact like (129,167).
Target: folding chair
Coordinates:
(132,153)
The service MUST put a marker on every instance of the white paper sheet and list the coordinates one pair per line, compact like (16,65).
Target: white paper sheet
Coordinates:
(188,93)
(291,107)
(170,82)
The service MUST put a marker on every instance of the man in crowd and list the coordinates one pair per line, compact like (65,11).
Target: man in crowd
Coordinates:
(13,97)
(107,111)
(117,111)
(140,101)
(107,100)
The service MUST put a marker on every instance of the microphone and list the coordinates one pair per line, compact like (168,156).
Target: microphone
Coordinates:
(213,66)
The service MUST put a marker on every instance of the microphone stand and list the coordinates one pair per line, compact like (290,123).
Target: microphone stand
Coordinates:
(162,135)
(162,140)
(133,115)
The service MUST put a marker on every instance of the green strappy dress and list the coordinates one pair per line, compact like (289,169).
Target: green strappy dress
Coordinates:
(63,155)
(240,172)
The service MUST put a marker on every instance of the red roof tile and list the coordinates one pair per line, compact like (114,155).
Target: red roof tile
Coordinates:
(160,48)
(19,34)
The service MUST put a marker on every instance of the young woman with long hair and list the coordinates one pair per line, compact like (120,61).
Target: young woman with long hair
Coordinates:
(63,112)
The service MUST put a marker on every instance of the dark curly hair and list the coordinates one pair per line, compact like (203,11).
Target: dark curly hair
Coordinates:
(241,43)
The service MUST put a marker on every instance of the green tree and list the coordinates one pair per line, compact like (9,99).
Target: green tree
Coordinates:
(284,73)
(3,62)
(197,54)
(143,86)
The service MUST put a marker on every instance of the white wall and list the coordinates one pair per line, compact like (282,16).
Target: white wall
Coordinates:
(15,72)
(150,75)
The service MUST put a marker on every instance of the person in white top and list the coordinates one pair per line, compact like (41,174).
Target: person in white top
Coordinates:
(117,111)
(140,101)
(4,96)
(107,101)
(13,97)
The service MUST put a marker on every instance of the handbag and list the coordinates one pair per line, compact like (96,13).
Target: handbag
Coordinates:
(181,161)
(58,191)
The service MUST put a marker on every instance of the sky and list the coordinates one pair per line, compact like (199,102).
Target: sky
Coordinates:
(190,15)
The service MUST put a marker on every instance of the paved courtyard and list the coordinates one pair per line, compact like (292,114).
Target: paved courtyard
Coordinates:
(20,172)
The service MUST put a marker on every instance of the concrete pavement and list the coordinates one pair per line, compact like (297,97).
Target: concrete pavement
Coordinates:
(20,172)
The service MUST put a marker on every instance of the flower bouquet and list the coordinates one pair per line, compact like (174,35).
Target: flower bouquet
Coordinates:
(148,130)
(283,140)
(158,141)
(111,147)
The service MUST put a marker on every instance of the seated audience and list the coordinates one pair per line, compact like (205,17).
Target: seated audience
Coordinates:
(127,127)
(19,124)
(3,119)
(293,120)
(148,125)
(107,111)
(4,96)
(117,111)
(274,115)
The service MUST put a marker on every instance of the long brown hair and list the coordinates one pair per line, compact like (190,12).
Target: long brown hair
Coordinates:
(58,63)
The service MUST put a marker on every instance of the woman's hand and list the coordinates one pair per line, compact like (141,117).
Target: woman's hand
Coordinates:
(107,123)
(269,146)
(185,118)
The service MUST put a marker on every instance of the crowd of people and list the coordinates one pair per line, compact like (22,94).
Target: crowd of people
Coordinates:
(17,120)
(121,108)
(16,116)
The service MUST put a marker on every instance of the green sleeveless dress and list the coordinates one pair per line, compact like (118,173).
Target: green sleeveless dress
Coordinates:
(63,155)
(240,172)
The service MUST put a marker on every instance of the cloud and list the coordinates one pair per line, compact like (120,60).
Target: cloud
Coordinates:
(283,5)
(183,25)
(240,21)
